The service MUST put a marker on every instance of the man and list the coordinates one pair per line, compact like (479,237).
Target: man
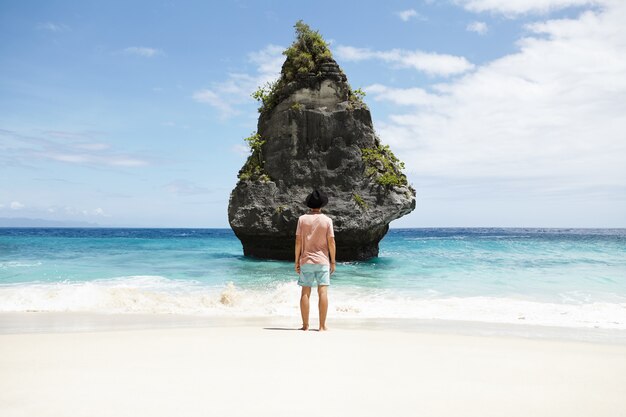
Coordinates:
(315,256)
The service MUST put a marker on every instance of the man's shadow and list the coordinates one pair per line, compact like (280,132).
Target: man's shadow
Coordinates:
(289,328)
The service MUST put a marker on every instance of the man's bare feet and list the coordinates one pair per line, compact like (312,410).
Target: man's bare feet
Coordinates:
(323,329)
(304,327)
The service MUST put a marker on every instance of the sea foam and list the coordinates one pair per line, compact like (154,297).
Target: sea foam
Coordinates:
(160,295)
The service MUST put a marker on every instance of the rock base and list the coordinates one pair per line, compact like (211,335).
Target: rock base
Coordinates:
(283,248)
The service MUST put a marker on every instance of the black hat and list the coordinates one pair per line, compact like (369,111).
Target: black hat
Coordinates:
(316,199)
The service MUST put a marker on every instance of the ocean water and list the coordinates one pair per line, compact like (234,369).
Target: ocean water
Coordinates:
(554,277)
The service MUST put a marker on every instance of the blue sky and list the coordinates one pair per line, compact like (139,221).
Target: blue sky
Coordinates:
(507,113)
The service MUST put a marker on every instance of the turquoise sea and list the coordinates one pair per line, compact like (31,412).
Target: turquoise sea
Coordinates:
(562,277)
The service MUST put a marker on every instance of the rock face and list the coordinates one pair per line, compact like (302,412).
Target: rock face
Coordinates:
(319,135)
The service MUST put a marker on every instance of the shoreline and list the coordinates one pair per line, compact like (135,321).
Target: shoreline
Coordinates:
(88,322)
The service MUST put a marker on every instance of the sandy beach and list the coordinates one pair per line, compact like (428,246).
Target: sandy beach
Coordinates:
(272,370)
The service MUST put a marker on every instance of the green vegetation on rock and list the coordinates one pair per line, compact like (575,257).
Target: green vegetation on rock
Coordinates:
(255,142)
(305,53)
(355,99)
(267,95)
(253,170)
(357,95)
(359,200)
(304,56)
(384,166)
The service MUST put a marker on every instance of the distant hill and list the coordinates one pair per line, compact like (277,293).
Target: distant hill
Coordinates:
(26,222)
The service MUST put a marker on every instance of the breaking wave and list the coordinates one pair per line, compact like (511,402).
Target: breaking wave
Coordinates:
(159,295)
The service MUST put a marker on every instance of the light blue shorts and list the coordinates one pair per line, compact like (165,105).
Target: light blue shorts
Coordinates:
(312,275)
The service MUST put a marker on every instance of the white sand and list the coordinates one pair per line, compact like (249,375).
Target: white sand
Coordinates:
(247,370)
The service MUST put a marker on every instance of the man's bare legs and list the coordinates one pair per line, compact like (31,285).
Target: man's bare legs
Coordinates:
(304,307)
(322,292)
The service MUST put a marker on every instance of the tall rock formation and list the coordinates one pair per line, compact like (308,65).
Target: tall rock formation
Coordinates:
(315,132)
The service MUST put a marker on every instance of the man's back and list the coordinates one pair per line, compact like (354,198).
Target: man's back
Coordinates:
(314,229)
(315,256)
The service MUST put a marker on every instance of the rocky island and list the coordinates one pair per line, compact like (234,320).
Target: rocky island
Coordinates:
(314,131)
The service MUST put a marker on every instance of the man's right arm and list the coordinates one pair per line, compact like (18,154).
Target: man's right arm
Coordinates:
(331,251)
(298,246)
(298,251)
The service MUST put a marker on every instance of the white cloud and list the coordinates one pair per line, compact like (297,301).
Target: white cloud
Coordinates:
(94,159)
(478,27)
(98,212)
(93,146)
(406,15)
(225,96)
(549,117)
(142,51)
(56,212)
(70,135)
(220,102)
(121,161)
(269,60)
(184,187)
(53,27)
(403,96)
(68,147)
(241,150)
(428,62)
(517,7)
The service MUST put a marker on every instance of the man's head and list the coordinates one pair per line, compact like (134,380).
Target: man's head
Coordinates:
(317,199)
